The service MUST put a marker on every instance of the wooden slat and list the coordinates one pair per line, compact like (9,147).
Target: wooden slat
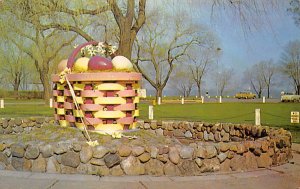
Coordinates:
(91,107)
(126,93)
(108,127)
(125,120)
(101,76)
(109,100)
(70,118)
(60,111)
(92,93)
(60,99)
(109,114)
(69,106)
(125,107)
(109,86)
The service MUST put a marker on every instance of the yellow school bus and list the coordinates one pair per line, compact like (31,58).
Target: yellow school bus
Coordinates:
(245,95)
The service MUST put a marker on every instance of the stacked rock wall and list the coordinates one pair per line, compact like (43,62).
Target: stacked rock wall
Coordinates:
(215,132)
(205,147)
(20,125)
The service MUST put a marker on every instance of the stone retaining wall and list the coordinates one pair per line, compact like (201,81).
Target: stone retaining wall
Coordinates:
(214,132)
(20,125)
(208,148)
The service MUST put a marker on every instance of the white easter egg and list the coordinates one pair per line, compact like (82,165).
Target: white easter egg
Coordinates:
(122,63)
(62,65)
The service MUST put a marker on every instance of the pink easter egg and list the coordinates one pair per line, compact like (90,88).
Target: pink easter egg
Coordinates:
(99,63)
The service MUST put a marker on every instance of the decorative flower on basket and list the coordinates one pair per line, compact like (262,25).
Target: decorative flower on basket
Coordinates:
(91,57)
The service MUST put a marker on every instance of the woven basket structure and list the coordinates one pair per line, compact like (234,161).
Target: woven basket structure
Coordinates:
(107,100)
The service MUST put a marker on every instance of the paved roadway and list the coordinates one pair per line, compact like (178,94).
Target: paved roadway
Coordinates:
(216,100)
(283,177)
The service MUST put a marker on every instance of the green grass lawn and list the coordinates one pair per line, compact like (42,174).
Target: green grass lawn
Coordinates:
(272,114)
(25,108)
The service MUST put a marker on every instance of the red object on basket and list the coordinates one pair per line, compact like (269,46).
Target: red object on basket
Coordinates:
(88,87)
(99,63)
(71,59)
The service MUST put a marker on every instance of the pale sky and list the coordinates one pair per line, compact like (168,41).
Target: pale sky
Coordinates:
(267,42)
(240,50)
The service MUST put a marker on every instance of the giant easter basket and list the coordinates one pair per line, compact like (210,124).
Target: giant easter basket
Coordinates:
(107,100)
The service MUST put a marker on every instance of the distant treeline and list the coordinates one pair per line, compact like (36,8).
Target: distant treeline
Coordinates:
(21,94)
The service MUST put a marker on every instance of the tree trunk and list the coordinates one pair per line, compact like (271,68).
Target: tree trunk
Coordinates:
(16,86)
(125,45)
(16,93)
(129,24)
(159,94)
(268,91)
(199,89)
(46,85)
(259,94)
(222,91)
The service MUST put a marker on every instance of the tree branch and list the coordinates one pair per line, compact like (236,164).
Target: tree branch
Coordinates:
(141,16)
(62,45)
(29,53)
(116,12)
(68,28)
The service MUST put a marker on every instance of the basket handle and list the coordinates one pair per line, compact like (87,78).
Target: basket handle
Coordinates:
(71,59)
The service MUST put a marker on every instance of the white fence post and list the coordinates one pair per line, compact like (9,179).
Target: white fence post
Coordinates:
(2,103)
(151,112)
(202,99)
(51,103)
(257,116)
(182,100)
(159,101)
(220,99)
(264,99)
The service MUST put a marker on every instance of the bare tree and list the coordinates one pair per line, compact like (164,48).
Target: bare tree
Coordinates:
(268,69)
(200,64)
(41,47)
(222,79)
(163,43)
(13,67)
(291,63)
(128,17)
(295,10)
(256,79)
(249,15)
(182,81)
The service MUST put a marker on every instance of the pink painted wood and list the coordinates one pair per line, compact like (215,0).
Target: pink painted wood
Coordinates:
(56,117)
(68,105)
(125,120)
(126,93)
(55,93)
(67,92)
(70,118)
(101,76)
(55,105)
(91,107)
(92,93)
(125,107)
(92,121)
